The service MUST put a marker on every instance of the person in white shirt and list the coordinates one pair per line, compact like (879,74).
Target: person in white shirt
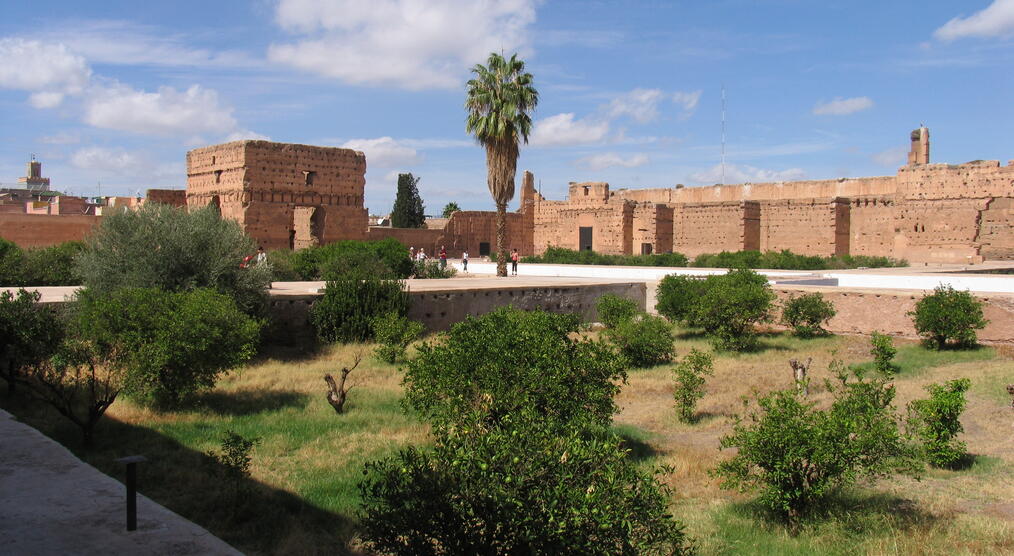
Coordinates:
(464,260)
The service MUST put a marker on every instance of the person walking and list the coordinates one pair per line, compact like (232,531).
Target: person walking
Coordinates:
(514,261)
(422,254)
(262,257)
(443,257)
(411,253)
(464,260)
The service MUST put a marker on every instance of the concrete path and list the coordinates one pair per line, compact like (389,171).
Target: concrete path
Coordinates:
(51,502)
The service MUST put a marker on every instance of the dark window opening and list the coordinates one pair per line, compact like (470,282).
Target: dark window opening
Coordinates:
(645,248)
(218,176)
(585,238)
(484,249)
(309,176)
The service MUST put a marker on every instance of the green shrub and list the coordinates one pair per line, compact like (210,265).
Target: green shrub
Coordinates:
(165,247)
(730,307)
(29,333)
(346,310)
(508,360)
(521,487)
(431,269)
(232,464)
(613,309)
(787,260)
(936,422)
(52,266)
(283,266)
(645,341)
(690,379)
(560,255)
(677,297)
(795,453)
(807,314)
(883,351)
(313,263)
(948,315)
(394,333)
(171,344)
(11,262)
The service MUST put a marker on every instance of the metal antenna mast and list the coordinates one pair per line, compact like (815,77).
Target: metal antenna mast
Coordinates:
(723,133)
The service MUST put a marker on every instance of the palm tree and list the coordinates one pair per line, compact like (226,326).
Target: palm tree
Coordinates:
(500,96)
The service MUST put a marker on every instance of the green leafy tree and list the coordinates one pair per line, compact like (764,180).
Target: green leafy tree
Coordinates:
(690,380)
(935,421)
(346,311)
(948,316)
(508,360)
(613,309)
(29,333)
(677,297)
(726,306)
(171,345)
(323,262)
(499,99)
(394,333)
(883,351)
(795,454)
(644,341)
(408,211)
(11,262)
(161,246)
(522,486)
(232,465)
(450,208)
(807,314)
(52,266)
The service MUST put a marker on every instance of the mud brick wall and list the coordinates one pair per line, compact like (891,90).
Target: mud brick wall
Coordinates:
(872,226)
(938,230)
(714,227)
(886,311)
(804,226)
(260,184)
(652,225)
(43,230)
(438,310)
(996,229)
(173,197)
(466,229)
(808,189)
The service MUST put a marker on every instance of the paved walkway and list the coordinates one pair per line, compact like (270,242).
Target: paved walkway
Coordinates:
(51,502)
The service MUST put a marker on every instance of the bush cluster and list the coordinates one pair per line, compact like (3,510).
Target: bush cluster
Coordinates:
(787,260)
(645,340)
(948,317)
(690,379)
(807,314)
(883,351)
(315,263)
(29,333)
(795,453)
(431,269)
(726,306)
(394,333)
(43,266)
(346,311)
(613,310)
(560,255)
(935,421)
(523,460)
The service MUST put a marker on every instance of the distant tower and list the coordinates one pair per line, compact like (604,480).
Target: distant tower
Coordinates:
(920,147)
(34,179)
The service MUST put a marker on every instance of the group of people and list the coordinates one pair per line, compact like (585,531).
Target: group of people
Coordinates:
(260,258)
(420,255)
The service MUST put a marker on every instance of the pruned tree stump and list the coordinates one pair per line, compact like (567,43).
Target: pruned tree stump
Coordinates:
(799,375)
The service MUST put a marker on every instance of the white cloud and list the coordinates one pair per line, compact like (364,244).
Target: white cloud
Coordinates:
(606,160)
(640,104)
(242,134)
(563,130)
(842,106)
(745,173)
(997,20)
(165,112)
(61,138)
(689,100)
(411,44)
(895,156)
(115,160)
(384,152)
(48,70)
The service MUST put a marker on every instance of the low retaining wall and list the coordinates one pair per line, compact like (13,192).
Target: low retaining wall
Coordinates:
(439,309)
(886,311)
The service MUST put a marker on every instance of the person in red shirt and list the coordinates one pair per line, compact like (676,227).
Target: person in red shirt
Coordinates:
(443,257)
(514,261)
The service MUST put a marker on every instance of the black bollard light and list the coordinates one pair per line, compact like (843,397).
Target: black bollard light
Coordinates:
(131,463)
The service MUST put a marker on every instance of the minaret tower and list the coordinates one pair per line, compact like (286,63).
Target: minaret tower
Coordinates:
(34,179)
(920,147)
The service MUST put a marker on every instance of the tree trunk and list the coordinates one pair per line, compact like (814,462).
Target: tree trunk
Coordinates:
(501,249)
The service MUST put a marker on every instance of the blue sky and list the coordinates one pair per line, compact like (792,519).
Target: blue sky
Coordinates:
(630,92)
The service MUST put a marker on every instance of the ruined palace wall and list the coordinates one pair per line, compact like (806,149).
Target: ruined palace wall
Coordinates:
(709,227)
(43,230)
(465,230)
(611,224)
(804,226)
(172,197)
(774,191)
(973,180)
(938,230)
(872,226)
(996,230)
(282,194)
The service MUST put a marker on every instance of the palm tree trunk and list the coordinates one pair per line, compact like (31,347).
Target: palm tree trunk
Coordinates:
(501,249)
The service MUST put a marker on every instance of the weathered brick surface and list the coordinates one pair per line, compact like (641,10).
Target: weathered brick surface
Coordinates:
(43,230)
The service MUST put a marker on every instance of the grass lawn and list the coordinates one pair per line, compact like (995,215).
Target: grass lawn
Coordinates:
(302,497)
